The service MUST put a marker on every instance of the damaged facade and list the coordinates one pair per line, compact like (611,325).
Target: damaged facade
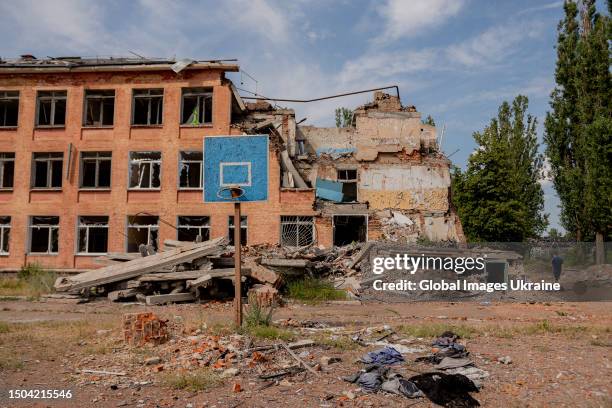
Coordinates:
(101,155)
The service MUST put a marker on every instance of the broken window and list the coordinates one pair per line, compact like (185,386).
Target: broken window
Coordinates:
(243,230)
(142,230)
(296,231)
(99,108)
(147,107)
(47,170)
(145,169)
(95,169)
(44,235)
(9,108)
(7,170)
(190,169)
(93,235)
(349,229)
(51,106)
(348,178)
(5,234)
(192,227)
(197,106)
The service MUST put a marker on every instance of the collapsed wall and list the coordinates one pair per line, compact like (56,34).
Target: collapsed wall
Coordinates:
(383,177)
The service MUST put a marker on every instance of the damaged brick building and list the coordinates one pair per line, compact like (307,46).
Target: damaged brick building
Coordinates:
(102,155)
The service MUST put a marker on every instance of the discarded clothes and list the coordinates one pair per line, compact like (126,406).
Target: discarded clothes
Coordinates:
(370,378)
(446,339)
(448,390)
(386,356)
(450,362)
(475,374)
(401,386)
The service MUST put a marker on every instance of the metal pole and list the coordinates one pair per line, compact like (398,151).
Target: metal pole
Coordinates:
(237,275)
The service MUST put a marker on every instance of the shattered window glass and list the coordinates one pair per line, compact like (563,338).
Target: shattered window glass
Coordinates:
(93,234)
(145,170)
(190,170)
(99,108)
(9,108)
(142,230)
(243,230)
(193,228)
(95,169)
(7,170)
(47,170)
(197,106)
(44,234)
(5,233)
(148,107)
(51,106)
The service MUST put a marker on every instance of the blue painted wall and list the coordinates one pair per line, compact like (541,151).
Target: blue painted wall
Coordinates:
(232,150)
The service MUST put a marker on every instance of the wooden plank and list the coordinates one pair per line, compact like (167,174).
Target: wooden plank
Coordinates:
(138,267)
(122,294)
(169,298)
(202,281)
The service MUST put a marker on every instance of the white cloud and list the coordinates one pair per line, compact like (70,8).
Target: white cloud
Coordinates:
(261,17)
(411,18)
(494,44)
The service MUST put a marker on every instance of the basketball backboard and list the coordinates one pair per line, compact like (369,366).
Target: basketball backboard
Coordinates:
(240,161)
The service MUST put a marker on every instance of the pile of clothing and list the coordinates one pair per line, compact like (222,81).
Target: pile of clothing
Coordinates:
(453,358)
(448,390)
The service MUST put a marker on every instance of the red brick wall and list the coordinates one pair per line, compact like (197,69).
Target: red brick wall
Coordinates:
(170,138)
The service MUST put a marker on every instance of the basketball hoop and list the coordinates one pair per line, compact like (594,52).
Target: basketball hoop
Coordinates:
(231,193)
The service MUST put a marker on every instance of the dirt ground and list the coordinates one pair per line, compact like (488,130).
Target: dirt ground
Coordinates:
(560,354)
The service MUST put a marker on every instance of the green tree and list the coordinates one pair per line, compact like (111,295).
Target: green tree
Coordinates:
(429,121)
(578,130)
(344,117)
(499,198)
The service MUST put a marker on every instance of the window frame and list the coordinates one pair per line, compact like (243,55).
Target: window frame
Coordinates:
(53,97)
(198,227)
(149,227)
(150,162)
(49,160)
(90,94)
(5,226)
(201,93)
(244,230)
(97,160)
(3,160)
(136,95)
(87,227)
(8,95)
(51,227)
(299,220)
(345,181)
(181,161)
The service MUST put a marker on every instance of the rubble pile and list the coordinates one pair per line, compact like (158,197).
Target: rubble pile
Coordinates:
(183,272)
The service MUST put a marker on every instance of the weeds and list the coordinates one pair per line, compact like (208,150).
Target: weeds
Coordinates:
(4,327)
(197,380)
(270,333)
(257,314)
(32,281)
(314,291)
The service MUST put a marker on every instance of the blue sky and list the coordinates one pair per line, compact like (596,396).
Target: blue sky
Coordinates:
(454,59)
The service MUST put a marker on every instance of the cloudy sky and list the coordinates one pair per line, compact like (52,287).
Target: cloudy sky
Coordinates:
(456,60)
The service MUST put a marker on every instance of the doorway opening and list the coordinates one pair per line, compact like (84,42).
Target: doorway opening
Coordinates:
(350,228)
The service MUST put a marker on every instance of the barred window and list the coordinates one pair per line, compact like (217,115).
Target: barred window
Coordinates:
(297,231)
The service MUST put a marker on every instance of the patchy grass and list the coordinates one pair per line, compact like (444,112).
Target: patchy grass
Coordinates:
(601,343)
(269,332)
(561,313)
(256,314)
(343,343)
(32,281)
(542,327)
(314,291)
(197,380)
(4,327)
(220,329)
